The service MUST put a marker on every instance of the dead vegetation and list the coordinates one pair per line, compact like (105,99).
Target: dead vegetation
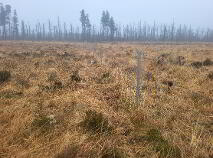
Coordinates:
(74,100)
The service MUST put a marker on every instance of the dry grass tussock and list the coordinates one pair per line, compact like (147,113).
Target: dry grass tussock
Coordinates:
(74,100)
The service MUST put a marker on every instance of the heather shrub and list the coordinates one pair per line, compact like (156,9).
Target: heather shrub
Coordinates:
(4,76)
(95,122)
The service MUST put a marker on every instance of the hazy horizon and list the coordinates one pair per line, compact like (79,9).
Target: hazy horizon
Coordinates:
(191,12)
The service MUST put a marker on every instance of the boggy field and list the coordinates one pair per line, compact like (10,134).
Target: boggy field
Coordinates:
(77,100)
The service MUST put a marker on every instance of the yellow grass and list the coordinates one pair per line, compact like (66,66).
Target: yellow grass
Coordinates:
(41,118)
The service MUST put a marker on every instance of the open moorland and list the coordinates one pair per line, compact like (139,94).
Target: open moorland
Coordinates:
(78,100)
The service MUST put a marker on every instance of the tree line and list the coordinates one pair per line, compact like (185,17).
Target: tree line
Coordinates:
(13,29)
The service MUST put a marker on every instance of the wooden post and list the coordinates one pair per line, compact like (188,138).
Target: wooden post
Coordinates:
(138,77)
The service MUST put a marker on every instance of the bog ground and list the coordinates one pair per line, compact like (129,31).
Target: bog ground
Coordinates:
(77,100)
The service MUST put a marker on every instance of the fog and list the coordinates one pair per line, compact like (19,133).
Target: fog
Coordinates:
(197,13)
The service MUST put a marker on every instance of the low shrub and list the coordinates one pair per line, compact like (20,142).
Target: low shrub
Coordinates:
(112,153)
(23,83)
(57,85)
(44,123)
(161,145)
(68,152)
(200,99)
(207,62)
(130,70)
(197,64)
(162,59)
(112,95)
(168,83)
(95,123)
(75,151)
(75,77)
(105,78)
(52,76)
(180,60)
(210,75)
(4,76)
(9,94)
(53,86)
(138,119)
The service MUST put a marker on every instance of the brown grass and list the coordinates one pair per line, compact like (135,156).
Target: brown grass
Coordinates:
(69,100)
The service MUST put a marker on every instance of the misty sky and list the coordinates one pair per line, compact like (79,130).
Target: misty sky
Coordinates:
(198,13)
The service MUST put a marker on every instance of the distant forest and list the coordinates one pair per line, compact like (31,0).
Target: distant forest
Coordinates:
(13,29)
